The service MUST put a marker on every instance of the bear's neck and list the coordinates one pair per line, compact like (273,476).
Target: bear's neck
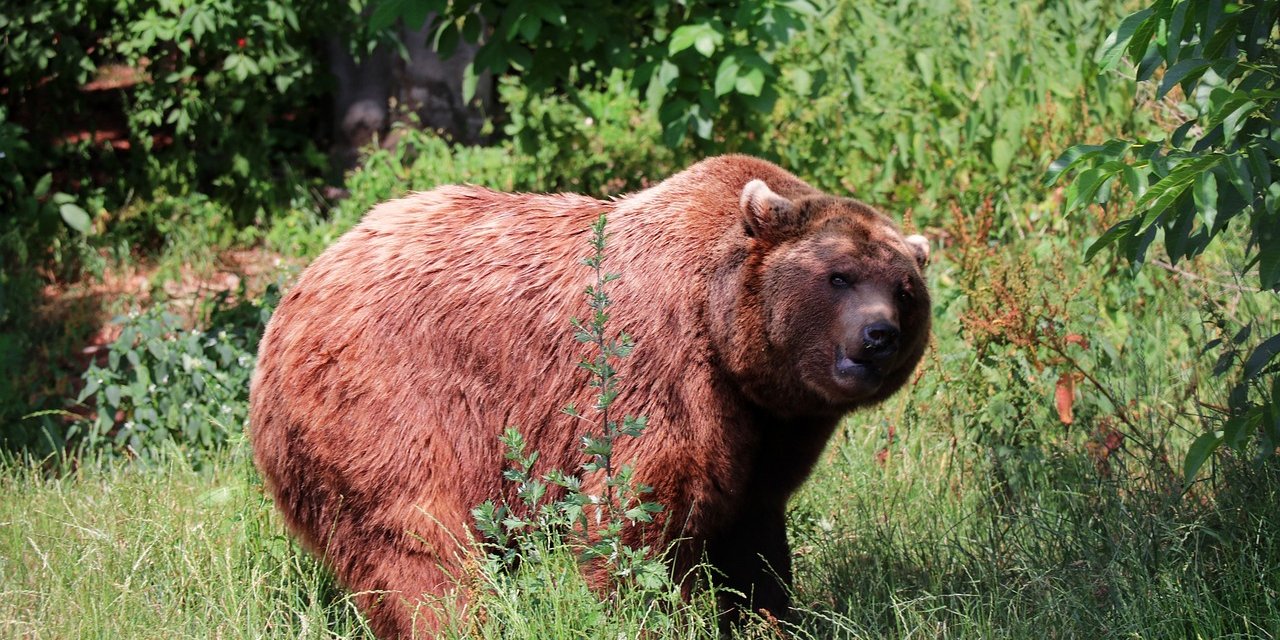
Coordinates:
(787,448)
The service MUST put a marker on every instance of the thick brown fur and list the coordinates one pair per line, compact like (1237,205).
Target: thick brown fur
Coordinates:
(395,362)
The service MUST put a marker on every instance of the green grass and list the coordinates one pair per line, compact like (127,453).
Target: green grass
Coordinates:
(913,547)
(921,546)
(115,550)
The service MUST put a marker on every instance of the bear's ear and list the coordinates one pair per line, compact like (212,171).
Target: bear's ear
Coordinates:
(763,211)
(919,246)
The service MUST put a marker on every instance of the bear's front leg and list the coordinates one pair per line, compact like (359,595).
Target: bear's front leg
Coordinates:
(752,558)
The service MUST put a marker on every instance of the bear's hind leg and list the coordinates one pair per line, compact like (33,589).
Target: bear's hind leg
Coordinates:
(408,595)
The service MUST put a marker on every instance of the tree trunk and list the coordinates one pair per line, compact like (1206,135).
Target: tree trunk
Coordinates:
(423,84)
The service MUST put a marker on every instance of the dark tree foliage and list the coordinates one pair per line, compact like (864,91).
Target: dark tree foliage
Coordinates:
(696,63)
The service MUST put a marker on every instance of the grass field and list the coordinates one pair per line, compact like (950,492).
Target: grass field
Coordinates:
(914,547)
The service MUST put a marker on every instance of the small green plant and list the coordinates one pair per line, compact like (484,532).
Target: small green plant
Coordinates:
(592,523)
(164,385)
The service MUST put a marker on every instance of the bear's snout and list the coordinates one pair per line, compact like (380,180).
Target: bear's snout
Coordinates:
(880,340)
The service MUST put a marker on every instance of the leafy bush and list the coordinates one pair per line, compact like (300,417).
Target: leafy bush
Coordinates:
(601,142)
(695,63)
(123,124)
(163,385)
(209,94)
(1215,167)
(41,236)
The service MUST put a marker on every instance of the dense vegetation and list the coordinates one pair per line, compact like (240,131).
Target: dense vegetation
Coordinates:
(1029,483)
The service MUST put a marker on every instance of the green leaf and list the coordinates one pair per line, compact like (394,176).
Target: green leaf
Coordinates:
(1177,230)
(1115,44)
(707,42)
(1231,123)
(90,386)
(75,217)
(701,36)
(674,116)
(702,127)
(1236,430)
(1078,154)
(471,27)
(386,13)
(415,12)
(1174,35)
(469,81)
(1069,158)
(663,78)
(1200,450)
(1121,229)
(520,57)
(1261,165)
(1135,180)
(1164,193)
(530,26)
(1205,194)
(1189,69)
(1082,190)
(446,40)
(552,14)
(1001,157)
(1139,45)
(726,75)
(682,38)
(1262,355)
(802,7)
(751,82)
(42,185)
(801,81)
(1269,263)
(924,61)
(1240,177)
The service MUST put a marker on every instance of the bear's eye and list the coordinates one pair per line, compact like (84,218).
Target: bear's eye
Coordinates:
(904,294)
(840,281)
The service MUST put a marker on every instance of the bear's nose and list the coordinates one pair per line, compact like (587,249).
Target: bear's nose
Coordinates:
(880,339)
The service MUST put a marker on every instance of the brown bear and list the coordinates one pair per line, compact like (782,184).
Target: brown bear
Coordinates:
(763,310)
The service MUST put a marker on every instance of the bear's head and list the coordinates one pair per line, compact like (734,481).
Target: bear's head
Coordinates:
(831,309)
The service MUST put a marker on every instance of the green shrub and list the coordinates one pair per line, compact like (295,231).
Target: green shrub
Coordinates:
(216,96)
(1186,188)
(137,127)
(698,65)
(41,236)
(163,385)
(602,142)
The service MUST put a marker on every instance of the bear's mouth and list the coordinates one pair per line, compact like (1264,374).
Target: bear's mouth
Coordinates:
(850,370)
